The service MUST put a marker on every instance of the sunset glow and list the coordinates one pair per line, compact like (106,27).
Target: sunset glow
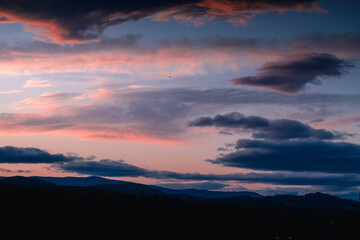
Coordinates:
(262,95)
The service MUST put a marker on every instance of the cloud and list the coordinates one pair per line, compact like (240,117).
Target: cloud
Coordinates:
(13,171)
(339,44)
(296,155)
(225,133)
(291,75)
(221,149)
(229,96)
(9,154)
(236,11)
(32,83)
(263,128)
(104,167)
(112,168)
(126,54)
(84,20)
(47,102)
(10,92)
(146,114)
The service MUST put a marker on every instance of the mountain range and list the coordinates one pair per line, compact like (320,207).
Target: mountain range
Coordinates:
(312,200)
(123,186)
(98,208)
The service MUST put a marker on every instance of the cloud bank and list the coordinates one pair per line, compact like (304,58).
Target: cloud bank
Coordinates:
(263,128)
(112,168)
(283,145)
(297,156)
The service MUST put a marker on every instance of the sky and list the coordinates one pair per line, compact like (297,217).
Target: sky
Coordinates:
(224,95)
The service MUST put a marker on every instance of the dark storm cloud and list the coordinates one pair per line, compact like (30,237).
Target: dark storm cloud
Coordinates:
(9,154)
(300,155)
(86,19)
(266,129)
(291,75)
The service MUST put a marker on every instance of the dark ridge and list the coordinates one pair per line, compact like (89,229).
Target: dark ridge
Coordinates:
(206,193)
(130,188)
(138,189)
(27,181)
(78,181)
(309,201)
(98,213)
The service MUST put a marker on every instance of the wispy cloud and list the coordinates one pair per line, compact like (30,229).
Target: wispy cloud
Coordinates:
(10,92)
(127,54)
(33,83)
(151,114)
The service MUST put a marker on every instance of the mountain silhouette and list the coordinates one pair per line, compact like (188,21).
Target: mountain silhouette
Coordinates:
(206,193)
(141,189)
(27,181)
(33,210)
(78,181)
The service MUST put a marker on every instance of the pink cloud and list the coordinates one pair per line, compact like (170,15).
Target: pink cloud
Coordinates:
(95,115)
(131,58)
(81,24)
(28,124)
(32,83)
(138,113)
(10,91)
(234,11)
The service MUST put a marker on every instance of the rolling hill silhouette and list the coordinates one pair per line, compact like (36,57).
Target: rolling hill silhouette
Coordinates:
(39,209)
(142,189)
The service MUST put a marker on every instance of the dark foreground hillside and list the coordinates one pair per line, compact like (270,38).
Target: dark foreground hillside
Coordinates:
(59,212)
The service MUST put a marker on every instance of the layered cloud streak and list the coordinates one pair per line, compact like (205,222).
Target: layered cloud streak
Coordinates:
(79,21)
(110,168)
